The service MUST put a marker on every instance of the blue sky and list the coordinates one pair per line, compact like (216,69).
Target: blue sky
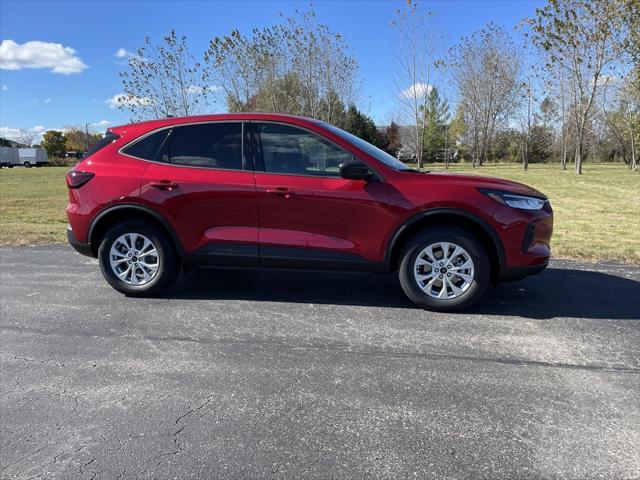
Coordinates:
(46,97)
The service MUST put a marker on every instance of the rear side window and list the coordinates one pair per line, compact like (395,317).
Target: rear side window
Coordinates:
(108,139)
(208,145)
(148,147)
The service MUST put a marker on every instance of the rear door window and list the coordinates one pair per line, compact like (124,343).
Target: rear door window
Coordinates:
(208,145)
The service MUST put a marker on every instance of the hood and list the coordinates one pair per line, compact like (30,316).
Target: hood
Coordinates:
(482,182)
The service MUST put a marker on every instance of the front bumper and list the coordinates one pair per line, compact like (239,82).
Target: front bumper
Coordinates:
(535,251)
(511,274)
(80,247)
(526,237)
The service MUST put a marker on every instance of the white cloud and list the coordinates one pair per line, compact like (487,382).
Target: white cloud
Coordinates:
(47,100)
(9,132)
(122,53)
(36,54)
(120,100)
(197,89)
(102,123)
(193,89)
(4,87)
(417,90)
(605,80)
(15,133)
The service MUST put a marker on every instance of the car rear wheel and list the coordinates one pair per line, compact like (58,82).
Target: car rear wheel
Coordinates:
(137,259)
(445,269)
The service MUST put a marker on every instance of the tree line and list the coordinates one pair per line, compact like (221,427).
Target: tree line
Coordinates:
(73,139)
(564,86)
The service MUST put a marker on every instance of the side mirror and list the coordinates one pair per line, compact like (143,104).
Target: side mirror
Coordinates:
(356,170)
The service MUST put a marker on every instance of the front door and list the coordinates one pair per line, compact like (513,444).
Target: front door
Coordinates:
(309,215)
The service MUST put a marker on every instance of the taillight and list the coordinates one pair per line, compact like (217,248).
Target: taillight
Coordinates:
(77,178)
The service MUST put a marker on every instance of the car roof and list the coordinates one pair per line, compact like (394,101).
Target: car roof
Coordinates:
(149,125)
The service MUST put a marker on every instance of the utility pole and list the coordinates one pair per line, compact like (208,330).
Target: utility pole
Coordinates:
(86,136)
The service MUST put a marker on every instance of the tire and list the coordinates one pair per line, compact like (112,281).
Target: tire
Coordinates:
(460,293)
(114,247)
(27,164)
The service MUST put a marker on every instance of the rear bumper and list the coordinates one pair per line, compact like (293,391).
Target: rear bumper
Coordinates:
(511,274)
(80,247)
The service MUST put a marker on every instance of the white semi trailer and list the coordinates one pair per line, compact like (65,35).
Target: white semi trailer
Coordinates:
(33,157)
(9,157)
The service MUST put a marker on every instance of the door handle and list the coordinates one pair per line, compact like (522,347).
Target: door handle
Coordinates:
(282,192)
(165,185)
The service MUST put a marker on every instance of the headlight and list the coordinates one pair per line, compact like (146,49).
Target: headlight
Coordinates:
(523,202)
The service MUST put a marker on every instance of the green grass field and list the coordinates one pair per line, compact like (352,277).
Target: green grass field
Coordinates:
(597,214)
(32,205)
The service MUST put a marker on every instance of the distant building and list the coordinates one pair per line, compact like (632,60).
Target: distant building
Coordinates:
(5,142)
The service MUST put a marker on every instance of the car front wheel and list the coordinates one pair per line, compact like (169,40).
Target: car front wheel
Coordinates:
(445,269)
(137,259)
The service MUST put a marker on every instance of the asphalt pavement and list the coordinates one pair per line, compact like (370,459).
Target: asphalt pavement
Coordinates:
(315,375)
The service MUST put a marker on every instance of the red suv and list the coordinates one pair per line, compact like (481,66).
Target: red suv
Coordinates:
(264,190)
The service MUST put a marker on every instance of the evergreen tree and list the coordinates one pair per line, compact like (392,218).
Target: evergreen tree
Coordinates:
(436,118)
(394,144)
(360,125)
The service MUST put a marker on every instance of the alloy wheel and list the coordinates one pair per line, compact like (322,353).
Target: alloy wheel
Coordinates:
(134,259)
(444,270)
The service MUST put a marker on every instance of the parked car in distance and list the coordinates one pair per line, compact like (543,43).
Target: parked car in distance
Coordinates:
(406,155)
(265,190)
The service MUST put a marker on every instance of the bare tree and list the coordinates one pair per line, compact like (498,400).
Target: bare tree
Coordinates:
(630,105)
(323,63)
(556,86)
(620,106)
(26,137)
(416,61)
(584,37)
(485,68)
(527,99)
(163,80)
(526,120)
(562,84)
(297,67)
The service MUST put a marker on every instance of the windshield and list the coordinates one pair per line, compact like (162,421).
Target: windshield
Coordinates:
(375,152)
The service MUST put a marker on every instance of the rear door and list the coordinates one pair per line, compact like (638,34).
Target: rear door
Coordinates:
(309,215)
(202,182)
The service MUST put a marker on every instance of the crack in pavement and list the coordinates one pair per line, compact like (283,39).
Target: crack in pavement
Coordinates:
(174,436)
